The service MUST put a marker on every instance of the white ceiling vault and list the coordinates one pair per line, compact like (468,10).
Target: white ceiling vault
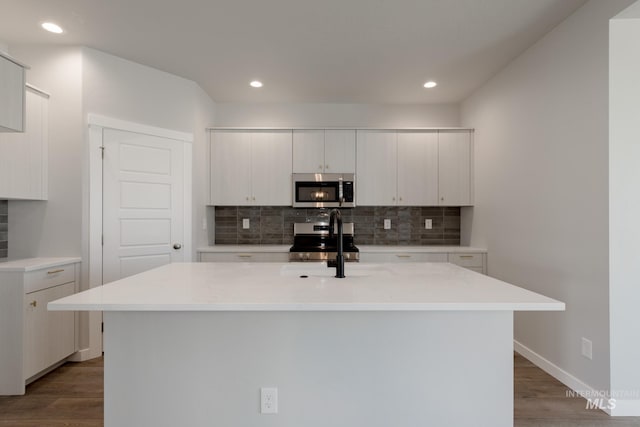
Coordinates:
(342,51)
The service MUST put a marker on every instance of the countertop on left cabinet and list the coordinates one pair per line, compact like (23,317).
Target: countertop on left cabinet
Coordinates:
(33,340)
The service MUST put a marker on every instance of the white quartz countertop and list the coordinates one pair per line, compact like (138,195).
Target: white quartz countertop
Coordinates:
(279,287)
(363,248)
(31,264)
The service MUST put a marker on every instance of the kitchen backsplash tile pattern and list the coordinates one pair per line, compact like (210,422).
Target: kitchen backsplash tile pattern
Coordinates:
(4,228)
(274,224)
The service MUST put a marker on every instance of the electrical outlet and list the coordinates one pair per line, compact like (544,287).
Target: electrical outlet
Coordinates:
(428,224)
(268,400)
(245,223)
(587,348)
(387,224)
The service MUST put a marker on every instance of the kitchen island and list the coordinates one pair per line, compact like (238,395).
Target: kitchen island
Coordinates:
(391,344)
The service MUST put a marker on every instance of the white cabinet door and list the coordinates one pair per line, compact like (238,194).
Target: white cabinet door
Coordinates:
(49,336)
(418,168)
(271,168)
(454,170)
(12,96)
(23,156)
(376,181)
(308,151)
(231,168)
(339,151)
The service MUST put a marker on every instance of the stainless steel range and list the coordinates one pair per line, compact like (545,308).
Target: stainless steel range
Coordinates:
(311,242)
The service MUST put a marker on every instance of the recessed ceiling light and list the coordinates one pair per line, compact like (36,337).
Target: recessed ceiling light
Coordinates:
(430,84)
(51,27)
(255,83)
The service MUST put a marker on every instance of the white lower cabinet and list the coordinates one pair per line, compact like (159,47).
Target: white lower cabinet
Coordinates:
(48,336)
(402,257)
(244,256)
(476,261)
(33,339)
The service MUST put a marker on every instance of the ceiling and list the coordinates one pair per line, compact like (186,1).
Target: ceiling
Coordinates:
(343,51)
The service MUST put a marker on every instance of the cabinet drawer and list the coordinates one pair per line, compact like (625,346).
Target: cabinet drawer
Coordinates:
(244,257)
(402,257)
(466,260)
(48,277)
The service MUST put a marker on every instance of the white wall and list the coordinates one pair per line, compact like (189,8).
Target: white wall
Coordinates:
(337,115)
(54,228)
(4,47)
(542,186)
(115,87)
(83,81)
(624,176)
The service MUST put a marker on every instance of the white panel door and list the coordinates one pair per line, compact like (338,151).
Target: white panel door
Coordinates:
(143,203)
(308,151)
(340,151)
(454,168)
(231,168)
(376,180)
(271,154)
(418,168)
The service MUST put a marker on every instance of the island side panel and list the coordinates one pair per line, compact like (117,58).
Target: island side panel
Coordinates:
(331,368)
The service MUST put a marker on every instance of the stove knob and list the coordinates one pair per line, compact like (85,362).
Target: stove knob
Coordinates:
(301,256)
(347,256)
(307,256)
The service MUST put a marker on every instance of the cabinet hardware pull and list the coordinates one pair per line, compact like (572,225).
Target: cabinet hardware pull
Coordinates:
(393,198)
(55,271)
(244,255)
(33,303)
(403,256)
(254,198)
(327,166)
(320,167)
(466,256)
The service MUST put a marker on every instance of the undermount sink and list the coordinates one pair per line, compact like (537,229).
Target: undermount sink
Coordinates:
(320,269)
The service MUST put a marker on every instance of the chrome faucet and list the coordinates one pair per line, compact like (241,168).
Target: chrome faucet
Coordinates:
(336,217)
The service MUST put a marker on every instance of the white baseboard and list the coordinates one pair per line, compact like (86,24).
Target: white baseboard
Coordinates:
(83,355)
(558,373)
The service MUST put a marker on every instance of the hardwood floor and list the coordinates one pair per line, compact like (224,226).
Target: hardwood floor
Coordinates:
(72,396)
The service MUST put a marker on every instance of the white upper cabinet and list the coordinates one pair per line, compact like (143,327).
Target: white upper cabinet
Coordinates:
(417,168)
(376,180)
(12,95)
(339,151)
(324,151)
(271,168)
(455,165)
(251,168)
(414,168)
(308,151)
(24,156)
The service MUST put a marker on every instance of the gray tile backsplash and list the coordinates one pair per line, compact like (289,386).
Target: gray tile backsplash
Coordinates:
(4,228)
(274,224)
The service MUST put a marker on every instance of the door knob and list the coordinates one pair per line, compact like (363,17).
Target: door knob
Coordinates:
(177,246)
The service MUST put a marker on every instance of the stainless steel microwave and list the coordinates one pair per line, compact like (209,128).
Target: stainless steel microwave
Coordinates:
(323,190)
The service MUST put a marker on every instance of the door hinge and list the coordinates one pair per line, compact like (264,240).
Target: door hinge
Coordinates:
(102,327)
(102,240)
(102,151)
